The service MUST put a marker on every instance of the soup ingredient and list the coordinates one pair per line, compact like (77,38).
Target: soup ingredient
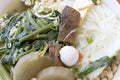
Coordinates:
(110,71)
(56,73)
(70,19)
(3,73)
(104,61)
(26,33)
(97,2)
(118,1)
(69,55)
(81,55)
(102,25)
(54,49)
(30,65)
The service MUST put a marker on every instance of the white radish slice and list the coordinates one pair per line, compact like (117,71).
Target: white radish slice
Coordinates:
(56,73)
(30,65)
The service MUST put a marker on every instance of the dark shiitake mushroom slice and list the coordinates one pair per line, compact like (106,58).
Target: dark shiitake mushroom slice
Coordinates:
(56,73)
(30,65)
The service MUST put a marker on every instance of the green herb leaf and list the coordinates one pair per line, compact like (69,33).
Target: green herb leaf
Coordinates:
(104,61)
(94,1)
(4,74)
(89,40)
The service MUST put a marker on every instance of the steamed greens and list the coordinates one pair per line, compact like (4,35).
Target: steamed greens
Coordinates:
(26,33)
(33,40)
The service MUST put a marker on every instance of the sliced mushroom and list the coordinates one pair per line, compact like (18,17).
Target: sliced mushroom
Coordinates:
(56,73)
(70,19)
(30,65)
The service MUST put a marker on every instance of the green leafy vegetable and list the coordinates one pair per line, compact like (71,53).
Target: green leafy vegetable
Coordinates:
(94,1)
(33,2)
(31,20)
(2,50)
(47,27)
(104,61)
(118,51)
(52,35)
(4,74)
(26,33)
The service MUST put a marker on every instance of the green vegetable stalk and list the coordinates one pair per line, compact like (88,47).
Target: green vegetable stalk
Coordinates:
(29,33)
(4,74)
(94,1)
(42,36)
(30,19)
(34,33)
(104,61)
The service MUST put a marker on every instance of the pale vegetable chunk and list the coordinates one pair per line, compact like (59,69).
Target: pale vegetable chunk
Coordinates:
(29,66)
(56,73)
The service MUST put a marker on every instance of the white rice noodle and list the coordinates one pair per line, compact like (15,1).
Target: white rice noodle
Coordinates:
(103,26)
(60,4)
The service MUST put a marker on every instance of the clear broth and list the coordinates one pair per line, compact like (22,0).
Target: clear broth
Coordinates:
(11,5)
